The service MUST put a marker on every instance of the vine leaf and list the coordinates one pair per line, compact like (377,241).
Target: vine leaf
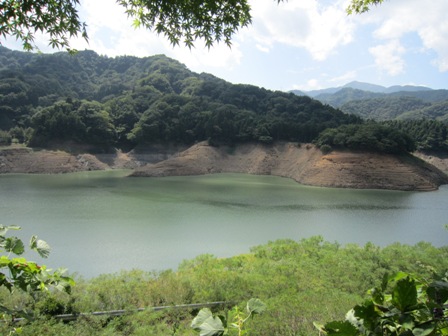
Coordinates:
(14,245)
(341,328)
(404,295)
(40,246)
(206,324)
(255,306)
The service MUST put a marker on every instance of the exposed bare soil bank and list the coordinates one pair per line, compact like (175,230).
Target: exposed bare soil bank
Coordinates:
(72,159)
(305,164)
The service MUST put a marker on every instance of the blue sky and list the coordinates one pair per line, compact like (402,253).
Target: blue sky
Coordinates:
(299,44)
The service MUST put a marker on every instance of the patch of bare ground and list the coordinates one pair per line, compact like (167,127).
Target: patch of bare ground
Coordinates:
(26,160)
(305,164)
(438,160)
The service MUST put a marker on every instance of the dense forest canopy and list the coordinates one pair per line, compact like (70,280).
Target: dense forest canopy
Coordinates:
(129,101)
(125,102)
(419,113)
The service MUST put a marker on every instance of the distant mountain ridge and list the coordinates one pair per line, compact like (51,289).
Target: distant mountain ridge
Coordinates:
(364,87)
(371,101)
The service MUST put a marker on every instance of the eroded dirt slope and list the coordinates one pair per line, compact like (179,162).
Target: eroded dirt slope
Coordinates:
(305,164)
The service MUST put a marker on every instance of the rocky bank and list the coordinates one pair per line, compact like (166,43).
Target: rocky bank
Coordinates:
(304,163)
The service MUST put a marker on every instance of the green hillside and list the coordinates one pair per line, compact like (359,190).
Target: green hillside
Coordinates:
(128,101)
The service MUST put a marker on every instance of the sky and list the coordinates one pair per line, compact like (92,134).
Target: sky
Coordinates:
(295,45)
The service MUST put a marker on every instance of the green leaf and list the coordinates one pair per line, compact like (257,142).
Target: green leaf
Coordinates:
(438,291)
(404,295)
(367,314)
(207,324)
(424,329)
(407,322)
(212,326)
(255,306)
(203,315)
(40,247)
(340,328)
(14,245)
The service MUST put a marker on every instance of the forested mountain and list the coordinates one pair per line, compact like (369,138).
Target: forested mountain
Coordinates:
(125,102)
(345,95)
(373,88)
(128,101)
(380,103)
(384,108)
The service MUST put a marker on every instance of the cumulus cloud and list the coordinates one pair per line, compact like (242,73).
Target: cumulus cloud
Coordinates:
(111,33)
(344,78)
(306,24)
(397,18)
(388,57)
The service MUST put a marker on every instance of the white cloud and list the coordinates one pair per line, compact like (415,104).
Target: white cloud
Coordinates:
(311,84)
(388,57)
(111,33)
(305,24)
(344,78)
(428,20)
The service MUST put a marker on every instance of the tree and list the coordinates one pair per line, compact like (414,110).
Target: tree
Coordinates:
(178,20)
(22,18)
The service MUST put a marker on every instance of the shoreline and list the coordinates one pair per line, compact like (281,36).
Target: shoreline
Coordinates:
(303,163)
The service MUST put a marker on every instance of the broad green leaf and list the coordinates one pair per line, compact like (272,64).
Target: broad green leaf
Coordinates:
(14,245)
(212,326)
(366,314)
(341,328)
(404,294)
(438,291)
(424,329)
(203,315)
(255,306)
(40,246)
(407,321)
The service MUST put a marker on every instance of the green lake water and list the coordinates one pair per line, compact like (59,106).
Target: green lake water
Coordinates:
(103,222)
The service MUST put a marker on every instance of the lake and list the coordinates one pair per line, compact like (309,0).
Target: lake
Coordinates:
(103,222)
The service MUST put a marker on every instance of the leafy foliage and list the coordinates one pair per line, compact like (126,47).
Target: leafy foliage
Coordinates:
(361,6)
(187,21)
(178,20)
(22,19)
(403,305)
(18,273)
(209,325)
(292,278)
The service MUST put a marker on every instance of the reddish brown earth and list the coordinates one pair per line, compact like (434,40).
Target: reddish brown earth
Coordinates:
(305,164)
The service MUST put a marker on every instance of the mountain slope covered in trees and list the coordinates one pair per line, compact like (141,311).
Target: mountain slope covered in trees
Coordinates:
(128,101)
(380,103)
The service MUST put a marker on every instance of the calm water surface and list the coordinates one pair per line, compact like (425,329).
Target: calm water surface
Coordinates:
(103,222)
